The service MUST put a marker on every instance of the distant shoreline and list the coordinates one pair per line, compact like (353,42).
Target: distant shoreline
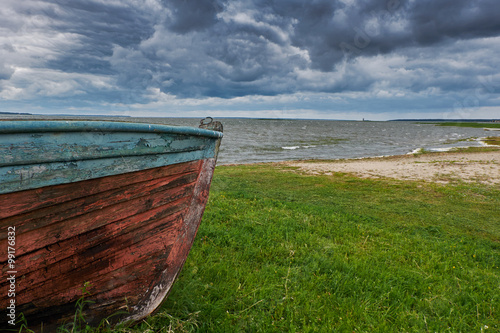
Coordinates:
(3,113)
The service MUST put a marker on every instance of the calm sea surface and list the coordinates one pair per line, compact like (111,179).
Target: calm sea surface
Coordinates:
(255,140)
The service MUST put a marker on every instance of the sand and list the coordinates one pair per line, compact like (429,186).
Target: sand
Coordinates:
(480,167)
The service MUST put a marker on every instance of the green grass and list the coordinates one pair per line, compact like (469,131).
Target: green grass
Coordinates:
(283,252)
(278,251)
(492,140)
(471,124)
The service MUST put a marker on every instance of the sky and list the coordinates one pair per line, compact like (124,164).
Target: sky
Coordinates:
(324,59)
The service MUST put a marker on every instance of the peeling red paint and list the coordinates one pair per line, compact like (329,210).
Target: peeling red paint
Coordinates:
(128,235)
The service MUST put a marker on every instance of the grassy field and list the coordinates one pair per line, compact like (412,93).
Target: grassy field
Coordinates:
(278,251)
(283,252)
(492,140)
(470,124)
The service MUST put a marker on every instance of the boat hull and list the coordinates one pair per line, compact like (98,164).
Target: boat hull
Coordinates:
(125,237)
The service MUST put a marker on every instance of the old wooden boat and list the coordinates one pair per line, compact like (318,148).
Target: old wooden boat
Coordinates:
(114,206)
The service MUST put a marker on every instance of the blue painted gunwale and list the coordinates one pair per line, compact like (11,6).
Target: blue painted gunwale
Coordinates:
(31,126)
(35,154)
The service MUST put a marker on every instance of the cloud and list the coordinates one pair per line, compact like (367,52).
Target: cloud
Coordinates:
(192,15)
(120,52)
(435,21)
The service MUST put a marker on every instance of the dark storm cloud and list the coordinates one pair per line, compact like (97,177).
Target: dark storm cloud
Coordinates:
(99,26)
(125,50)
(192,15)
(332,32)
(434,21)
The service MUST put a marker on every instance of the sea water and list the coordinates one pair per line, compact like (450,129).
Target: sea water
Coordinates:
(273,140)
(252,140)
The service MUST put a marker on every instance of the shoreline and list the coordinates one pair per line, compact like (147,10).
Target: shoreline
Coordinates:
(488,142)
(440,167)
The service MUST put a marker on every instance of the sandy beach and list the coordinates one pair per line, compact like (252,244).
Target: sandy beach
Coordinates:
(481,167)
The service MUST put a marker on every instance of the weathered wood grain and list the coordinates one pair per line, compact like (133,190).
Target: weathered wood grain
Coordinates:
(128,235)
(67,147)
(38,154)
(29,200)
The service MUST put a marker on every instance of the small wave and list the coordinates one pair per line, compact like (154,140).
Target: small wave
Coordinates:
(436,150)
(297,147)
(482,141)
(441,149)
(416,151)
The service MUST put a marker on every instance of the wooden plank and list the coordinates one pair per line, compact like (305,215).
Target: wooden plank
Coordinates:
(131,249)
(53,233)
(40,148)
(136,259)
(28,200)
(49,215)
(181,247)
(102,265)
(50,254)
(23,177)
